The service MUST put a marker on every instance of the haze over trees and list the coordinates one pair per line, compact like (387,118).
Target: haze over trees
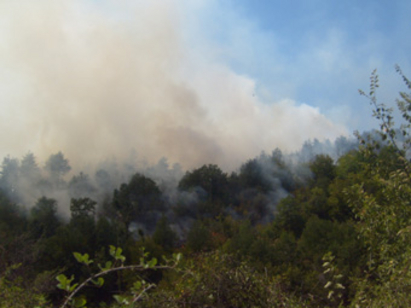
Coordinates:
(328,226)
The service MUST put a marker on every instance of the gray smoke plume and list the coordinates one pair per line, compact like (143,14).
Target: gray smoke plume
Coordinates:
(95,79)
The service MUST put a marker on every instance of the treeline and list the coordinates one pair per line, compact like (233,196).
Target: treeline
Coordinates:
(252,237)
(142,195)
(203,211)
(330,231)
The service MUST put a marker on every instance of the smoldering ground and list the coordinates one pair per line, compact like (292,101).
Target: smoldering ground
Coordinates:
(97,79)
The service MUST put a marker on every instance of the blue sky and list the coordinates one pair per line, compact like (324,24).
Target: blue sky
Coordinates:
(196,81)
(317,52)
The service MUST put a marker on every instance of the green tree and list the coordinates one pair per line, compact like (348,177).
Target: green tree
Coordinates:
(57,167)
(323,169)
(10,177)
(43,218)
(289,215)
(210,178)
(242,240)
(382,207)
(80,186)
(82,207)
(252,176)
(136,200)
(29,168)
(83,220)
(12,221)
(199,237)
(15,244)
(164,235)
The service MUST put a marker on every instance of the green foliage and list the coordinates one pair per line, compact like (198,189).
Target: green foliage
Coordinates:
(135,200)
(14,294)
(210,178)
(252,176)
(382,208)
(9,177)
(199,237)
(333,286)
(339,238)
(321,236)
(43,218)
(80,186)
(116,253)
(57,166)
(29,168)
(218,280)
(399,136)
(136,292)
(384,223)
(82,207)
(290,216)
(284,249)
(12,221)
(242,240)
(323,169)
(164,235)
(65,283)
(82,258)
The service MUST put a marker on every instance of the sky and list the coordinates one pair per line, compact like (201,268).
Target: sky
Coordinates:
(195,81)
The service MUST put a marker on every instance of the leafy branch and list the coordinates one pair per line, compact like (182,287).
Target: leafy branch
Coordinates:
(381,111)
(399,137)
(333,285)
(139,288)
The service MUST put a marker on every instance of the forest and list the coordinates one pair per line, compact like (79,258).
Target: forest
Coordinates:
(328,226)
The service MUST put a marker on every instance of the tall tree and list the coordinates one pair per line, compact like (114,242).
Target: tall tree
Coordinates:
(10,177)
(80,186)
(383,207)
(164,235)
(43,218)
(210,178)
(134,201)
(57,166)
(29,168)
(253,175)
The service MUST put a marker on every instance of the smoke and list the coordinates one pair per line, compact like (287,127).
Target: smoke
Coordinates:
(96,79)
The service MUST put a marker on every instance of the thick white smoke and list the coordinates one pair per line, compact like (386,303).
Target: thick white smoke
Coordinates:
(95,79)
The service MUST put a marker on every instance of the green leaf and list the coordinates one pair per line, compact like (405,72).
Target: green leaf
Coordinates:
(73,287)
(177,257)
(116,253)
(119,251)
(122,299)
(62,279)
(152,263)
(64,282)
(82,258)
(99,282)
(78,256)
(107,266)
(339,286)
(112,250)
(137,286)
(79,302)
